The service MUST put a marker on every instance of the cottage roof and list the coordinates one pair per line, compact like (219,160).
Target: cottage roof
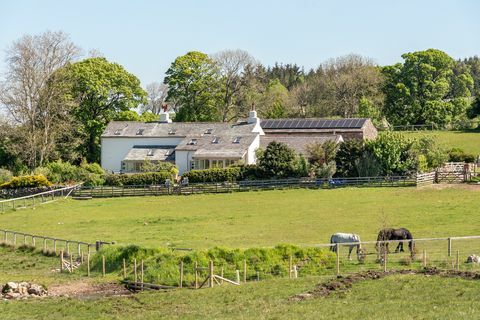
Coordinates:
(313,123)
(153,153)
(299,143)
(175,129)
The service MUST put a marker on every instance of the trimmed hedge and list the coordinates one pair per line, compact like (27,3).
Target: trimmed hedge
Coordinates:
(214,175)
(30,181)
(129,179)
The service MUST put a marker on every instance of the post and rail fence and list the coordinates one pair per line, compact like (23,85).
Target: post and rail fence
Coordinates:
(239,186)
(36,199)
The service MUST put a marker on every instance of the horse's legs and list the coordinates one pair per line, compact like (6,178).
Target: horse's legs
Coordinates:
(350,248)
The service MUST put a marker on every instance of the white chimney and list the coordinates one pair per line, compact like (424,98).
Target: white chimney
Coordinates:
(254,119)
(165,117)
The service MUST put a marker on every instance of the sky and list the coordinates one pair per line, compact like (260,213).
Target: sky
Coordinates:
(146,36)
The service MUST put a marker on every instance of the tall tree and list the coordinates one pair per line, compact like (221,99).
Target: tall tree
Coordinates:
(156,96)
(341,83)
(101,89)
(425,90)
(34,92)
(232,64)
(194,84)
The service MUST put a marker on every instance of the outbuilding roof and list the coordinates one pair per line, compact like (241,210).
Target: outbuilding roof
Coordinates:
(351,123)
(299,143)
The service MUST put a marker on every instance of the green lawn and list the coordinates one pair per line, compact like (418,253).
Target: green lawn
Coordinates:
(266,218)
(395,297)
(468,141)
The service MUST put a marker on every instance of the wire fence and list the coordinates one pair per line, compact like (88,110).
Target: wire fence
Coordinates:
(452,253)
(37,199)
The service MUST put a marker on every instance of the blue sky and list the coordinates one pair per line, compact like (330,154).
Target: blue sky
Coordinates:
(146,36)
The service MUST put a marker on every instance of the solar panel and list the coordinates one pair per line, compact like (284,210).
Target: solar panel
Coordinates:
(312,123)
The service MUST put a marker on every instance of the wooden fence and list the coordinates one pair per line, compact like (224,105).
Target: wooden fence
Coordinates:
(47,244)
(36,199)
(239,186)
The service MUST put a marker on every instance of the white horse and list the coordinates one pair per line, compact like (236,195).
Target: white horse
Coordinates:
(339,238)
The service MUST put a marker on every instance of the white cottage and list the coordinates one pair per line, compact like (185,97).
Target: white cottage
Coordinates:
(197,145)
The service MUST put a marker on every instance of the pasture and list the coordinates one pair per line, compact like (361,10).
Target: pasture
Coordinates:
(401,296)
(254,219)
(468,141)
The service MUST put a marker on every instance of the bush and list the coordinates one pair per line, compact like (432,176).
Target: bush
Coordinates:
(214,175)
(91,174)
(458,155)
(278,161)
(30,181)
(5,175)
(128,179)
(162,263)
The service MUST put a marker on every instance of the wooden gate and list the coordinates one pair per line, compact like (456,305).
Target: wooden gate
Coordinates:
(453,172)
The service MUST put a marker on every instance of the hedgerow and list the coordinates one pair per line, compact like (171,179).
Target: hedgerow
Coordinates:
(29,181)
(161,264)
(145,178)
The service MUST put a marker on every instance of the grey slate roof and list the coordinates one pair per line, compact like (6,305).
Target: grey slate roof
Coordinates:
(314,123)
(298,143)
(153,153)
(204,148)
(182,129)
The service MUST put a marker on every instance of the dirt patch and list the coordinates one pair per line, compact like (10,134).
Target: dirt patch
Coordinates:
(342,284)
(88,290)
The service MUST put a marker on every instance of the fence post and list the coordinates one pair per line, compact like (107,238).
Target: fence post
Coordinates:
(424,258)
(33,241)
(449,247)
(14,239)
(55,246)
(88,264)
(237,275)
(44,244)
(210,269)
(221,275)
(458,260)
(196,274)
(71,263)
(290,267)
(338,258)
(141,273)
(103,265)
(385,257)
(180,285)
(61,261)
(295,272)
(135,270)
(245,271)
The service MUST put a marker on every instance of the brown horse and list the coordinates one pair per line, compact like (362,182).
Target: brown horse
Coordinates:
(394,234)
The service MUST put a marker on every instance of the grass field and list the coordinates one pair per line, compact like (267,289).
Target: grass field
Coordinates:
(395,297)
(468,141)
(266,218)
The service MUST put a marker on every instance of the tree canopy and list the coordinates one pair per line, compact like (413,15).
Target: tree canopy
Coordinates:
(101,89)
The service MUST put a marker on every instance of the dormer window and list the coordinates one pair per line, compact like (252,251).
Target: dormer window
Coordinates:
(209,131)
(172,131)
(140,132)
(192,142)
(117,132)
(150,152)
(237,139)
(216,140)
(169,152)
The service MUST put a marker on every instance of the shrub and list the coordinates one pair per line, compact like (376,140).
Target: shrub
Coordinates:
(91,174)
(5,175)
(30,181)
(162,263)
(128,179)
(278,161)
(458,155)
(214,175)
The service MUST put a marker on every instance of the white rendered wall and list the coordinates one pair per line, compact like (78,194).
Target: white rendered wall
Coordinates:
(182,160)
(251,153)
(115,149)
